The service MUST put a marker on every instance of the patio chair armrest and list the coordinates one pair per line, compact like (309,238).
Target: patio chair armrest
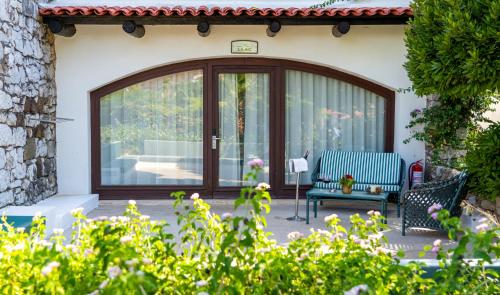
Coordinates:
(416,193)
(437,183)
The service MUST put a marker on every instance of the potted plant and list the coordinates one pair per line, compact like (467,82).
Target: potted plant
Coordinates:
(347,181)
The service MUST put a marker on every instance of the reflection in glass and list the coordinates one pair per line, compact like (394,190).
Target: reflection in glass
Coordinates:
(152,132)
(244,125)
(324,113)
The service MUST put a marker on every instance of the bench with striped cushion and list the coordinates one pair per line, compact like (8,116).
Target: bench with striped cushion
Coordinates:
(384,169)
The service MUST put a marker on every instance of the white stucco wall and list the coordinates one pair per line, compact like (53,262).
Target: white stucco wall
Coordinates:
(97,55)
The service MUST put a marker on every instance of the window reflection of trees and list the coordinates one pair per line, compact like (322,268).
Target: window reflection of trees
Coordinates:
(158,109)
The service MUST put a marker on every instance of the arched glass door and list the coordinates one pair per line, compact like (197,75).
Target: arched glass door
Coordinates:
(194,126)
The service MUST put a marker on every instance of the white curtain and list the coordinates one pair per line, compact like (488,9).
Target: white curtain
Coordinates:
(243,125)
(152,132)
(324,113)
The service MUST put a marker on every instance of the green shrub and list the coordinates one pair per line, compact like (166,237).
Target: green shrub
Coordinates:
(230,254)
(453,49)
(483,162)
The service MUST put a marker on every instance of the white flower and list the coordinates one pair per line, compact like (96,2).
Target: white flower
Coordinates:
(139,273)
(132,202)
(376,236)
(103,284)
(88,252)
(147,261)
(102,218)
(437,243)
(18,247)
(195,196)
(294,235)
(113,218)
(356,290)
(226,215)
(73,248)
(114,271)
(330,217)
(95,292)
(201,283)
(123,219)
(46,270)
(302,256)
(58,231)
(126,239)
(144,217)
(202,293)
(324,232)
(132,262)
(77,211)
(371,212)
(369,222)
(20,229)
(263,186)
(336,236)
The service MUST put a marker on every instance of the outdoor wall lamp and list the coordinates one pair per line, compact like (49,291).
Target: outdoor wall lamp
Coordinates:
(273,28)
(133,29)
(203,28)
(340,29)
(59,28)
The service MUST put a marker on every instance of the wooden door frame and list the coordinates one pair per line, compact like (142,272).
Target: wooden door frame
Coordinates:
(277,148)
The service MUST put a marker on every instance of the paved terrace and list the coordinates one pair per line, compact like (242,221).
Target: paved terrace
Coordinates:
(412,243)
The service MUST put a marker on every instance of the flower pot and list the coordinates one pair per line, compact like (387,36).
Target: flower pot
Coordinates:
(346,189)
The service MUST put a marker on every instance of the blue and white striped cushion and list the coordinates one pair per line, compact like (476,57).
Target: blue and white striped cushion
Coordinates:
(389,188)
(368,168)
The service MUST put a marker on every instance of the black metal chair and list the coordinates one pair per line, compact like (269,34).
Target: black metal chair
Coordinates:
(448,193)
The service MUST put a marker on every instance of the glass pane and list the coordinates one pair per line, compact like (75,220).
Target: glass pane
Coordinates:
(152,132)
(243,125)
(324,113)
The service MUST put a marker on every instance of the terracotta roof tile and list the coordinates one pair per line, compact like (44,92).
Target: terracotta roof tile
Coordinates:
(222,11)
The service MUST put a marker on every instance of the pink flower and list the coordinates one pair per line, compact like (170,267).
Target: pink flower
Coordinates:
(435,207)
(482,227)
(434,215)
(46,270)
(263,187)
(295,235)
(435,249)
(114,271)
(256,163)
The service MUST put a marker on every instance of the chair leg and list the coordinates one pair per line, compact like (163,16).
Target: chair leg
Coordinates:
(385,212)
(307,209)
(403,227)
(315,207)
(398,205)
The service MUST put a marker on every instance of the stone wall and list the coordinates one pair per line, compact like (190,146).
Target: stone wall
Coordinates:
(443,171)
(27,99)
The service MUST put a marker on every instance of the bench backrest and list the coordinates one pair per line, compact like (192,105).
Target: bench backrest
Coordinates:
(365,167)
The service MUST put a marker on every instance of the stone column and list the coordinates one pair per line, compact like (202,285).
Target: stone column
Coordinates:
(27,104)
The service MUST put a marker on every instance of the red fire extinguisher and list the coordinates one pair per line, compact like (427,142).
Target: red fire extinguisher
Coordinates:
(416,173)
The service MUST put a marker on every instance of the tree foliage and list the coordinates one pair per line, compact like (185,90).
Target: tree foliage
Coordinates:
(483,162)
(453,47)
(453,50)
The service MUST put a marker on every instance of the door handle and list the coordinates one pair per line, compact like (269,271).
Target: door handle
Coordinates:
(214,142)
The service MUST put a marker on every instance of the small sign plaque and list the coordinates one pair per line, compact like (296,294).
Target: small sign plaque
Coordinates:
(244,47)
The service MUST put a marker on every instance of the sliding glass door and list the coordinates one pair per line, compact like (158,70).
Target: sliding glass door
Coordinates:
(152,132)
(241,130)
